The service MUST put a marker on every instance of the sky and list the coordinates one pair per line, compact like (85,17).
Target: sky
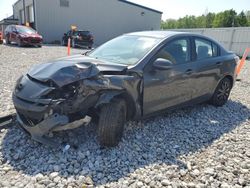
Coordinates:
(170,8)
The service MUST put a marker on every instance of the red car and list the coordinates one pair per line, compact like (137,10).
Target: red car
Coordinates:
(1,38)
(23,36)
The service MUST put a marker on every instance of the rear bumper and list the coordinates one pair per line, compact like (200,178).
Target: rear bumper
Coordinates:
(84,43)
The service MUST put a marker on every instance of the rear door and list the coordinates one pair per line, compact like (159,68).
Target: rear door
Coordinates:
(167,88)
(206,67)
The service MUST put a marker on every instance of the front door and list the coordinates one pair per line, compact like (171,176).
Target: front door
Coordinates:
(165,88)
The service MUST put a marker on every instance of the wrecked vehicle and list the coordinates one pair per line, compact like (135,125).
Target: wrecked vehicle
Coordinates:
(130,77)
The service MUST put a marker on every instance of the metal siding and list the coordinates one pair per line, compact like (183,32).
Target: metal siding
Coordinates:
(19,6)
(106,19)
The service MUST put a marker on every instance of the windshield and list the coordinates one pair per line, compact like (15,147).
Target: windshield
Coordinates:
(127,50)
(25,30)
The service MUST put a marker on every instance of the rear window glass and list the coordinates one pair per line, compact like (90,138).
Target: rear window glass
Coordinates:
(83,33)
(203,49)
(215,50)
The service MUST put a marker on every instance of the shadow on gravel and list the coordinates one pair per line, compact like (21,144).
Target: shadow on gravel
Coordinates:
(22,47)
(154,141)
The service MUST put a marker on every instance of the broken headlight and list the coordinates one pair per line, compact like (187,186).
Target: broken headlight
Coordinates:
(66,92)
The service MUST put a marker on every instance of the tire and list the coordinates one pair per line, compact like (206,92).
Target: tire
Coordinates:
(19,43)
(39,46)
(111,123)
(7,40)
(222,92)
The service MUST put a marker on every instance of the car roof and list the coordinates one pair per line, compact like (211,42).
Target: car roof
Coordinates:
(157,34)
(81,30)
(166,34)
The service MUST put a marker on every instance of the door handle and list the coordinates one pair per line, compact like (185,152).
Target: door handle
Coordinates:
(189,71)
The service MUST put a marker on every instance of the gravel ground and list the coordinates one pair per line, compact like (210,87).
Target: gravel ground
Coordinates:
(199,146)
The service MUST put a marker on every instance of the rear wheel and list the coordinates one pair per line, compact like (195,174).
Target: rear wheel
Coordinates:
(222,92)
(111,123)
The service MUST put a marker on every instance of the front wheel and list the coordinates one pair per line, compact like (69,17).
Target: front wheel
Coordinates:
(222,92)
(19,43)
(7,40)
(111,123)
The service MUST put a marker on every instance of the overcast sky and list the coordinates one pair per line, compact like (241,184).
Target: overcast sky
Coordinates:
(170,8)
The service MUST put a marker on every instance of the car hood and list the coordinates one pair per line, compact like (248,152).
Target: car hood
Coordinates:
(70,69)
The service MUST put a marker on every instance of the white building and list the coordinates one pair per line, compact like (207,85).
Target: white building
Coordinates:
(106,19)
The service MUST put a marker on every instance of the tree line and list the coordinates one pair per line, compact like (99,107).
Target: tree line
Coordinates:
(227,18)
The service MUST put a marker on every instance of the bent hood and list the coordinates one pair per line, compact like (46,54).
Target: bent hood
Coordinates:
(70,69)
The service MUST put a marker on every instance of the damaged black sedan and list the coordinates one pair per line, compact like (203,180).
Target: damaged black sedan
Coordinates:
(130,77)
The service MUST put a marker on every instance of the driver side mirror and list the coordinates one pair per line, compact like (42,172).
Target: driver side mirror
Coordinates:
(162,64)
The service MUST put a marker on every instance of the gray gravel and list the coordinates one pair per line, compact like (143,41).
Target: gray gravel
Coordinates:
(199,146)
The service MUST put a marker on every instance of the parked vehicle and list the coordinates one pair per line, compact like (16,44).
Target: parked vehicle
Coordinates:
(23,36)
(1,38)
(133,76)
(78,38)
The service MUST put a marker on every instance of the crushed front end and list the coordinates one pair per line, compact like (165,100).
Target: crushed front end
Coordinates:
(59,96)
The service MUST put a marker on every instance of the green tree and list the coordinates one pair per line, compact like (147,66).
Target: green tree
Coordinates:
(242,19)
(248,17)
(209,20)
(201,21)
(227,18)
(169,24)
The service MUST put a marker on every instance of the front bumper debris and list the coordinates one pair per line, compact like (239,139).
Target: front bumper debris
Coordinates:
(53,123)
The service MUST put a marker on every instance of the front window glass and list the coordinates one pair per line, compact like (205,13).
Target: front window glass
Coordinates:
(127,50)
(25,30)
(176,51)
